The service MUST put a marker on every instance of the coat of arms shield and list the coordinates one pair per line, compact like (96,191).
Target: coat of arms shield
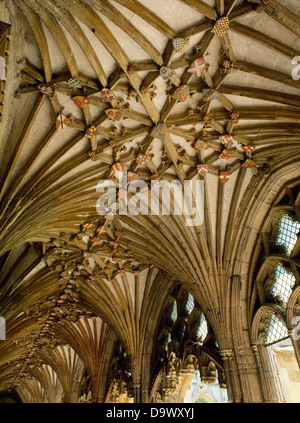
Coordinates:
(82,102)
(248,148)
(229,67)
(202,169)
(226,139)
(180,44)
(209,94)
(224,176)
(197,67)
(101,230)
(107,95)
(132,176)
(181,93)
(221,26)
(226,155)
(74,82)
(117,167)
(62,121)
(91,132)
(199,144)
(166,73)
(46,89)
(159,131)
(249,163)
(142,158)
(113,114)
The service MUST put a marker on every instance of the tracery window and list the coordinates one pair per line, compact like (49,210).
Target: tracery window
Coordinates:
(287,232)
(174,314)
(202,329)
(119,386)
(284,279)
(276,330)
(283,283)
(185,346)
(277,272)
(190,303)
(182,321)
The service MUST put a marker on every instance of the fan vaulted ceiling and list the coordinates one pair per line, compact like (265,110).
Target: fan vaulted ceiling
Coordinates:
(238,118)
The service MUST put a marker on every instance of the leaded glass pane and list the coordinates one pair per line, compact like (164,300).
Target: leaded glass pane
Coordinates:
(283,283)
(275,330)
(190,303)
(202,329)
(287,232)
(174,314)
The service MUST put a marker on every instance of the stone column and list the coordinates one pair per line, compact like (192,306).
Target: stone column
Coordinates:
(265,372)
(241,375)
(242,367)
(136,392)
(248,374)
(232,382)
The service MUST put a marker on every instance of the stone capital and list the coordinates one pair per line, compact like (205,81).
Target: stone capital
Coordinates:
(226,353)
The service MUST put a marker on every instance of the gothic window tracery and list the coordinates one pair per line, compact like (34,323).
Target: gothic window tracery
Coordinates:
(185,344)
(283,283)
(287,232)
(281,246)
(278,275)
(119,378)
(182,320)
(275,330)
(202,329)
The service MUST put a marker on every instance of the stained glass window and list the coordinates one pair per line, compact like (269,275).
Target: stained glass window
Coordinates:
(287,232)
(276,330)
(283,283)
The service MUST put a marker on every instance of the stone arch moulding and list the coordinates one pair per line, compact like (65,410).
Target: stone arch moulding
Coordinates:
(250,224)
(270,389)
(261,320)
(267,253)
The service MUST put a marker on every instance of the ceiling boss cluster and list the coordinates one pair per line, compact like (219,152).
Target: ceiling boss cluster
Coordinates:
(225,156)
